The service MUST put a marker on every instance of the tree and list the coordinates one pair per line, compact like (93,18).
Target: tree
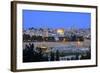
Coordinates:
(31,54)
(27,54)
(52,56)
(26,37)
(73,37)
(80,38)
(33,38)
(57,55)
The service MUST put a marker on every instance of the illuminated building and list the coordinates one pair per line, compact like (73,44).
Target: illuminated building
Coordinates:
(60,31)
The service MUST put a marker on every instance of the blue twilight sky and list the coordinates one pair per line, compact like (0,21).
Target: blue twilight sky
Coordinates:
(55,19)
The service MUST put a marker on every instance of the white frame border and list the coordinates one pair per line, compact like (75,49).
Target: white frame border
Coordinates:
(35,65)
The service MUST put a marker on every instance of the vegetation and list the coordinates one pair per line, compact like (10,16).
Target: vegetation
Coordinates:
(34,38)
(31,54)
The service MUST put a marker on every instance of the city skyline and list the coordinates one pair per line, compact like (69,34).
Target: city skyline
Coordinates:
(55,19)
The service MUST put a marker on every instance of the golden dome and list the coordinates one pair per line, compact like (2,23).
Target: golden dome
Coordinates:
(60,31)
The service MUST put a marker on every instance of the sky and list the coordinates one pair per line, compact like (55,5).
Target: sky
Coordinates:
(55,19)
